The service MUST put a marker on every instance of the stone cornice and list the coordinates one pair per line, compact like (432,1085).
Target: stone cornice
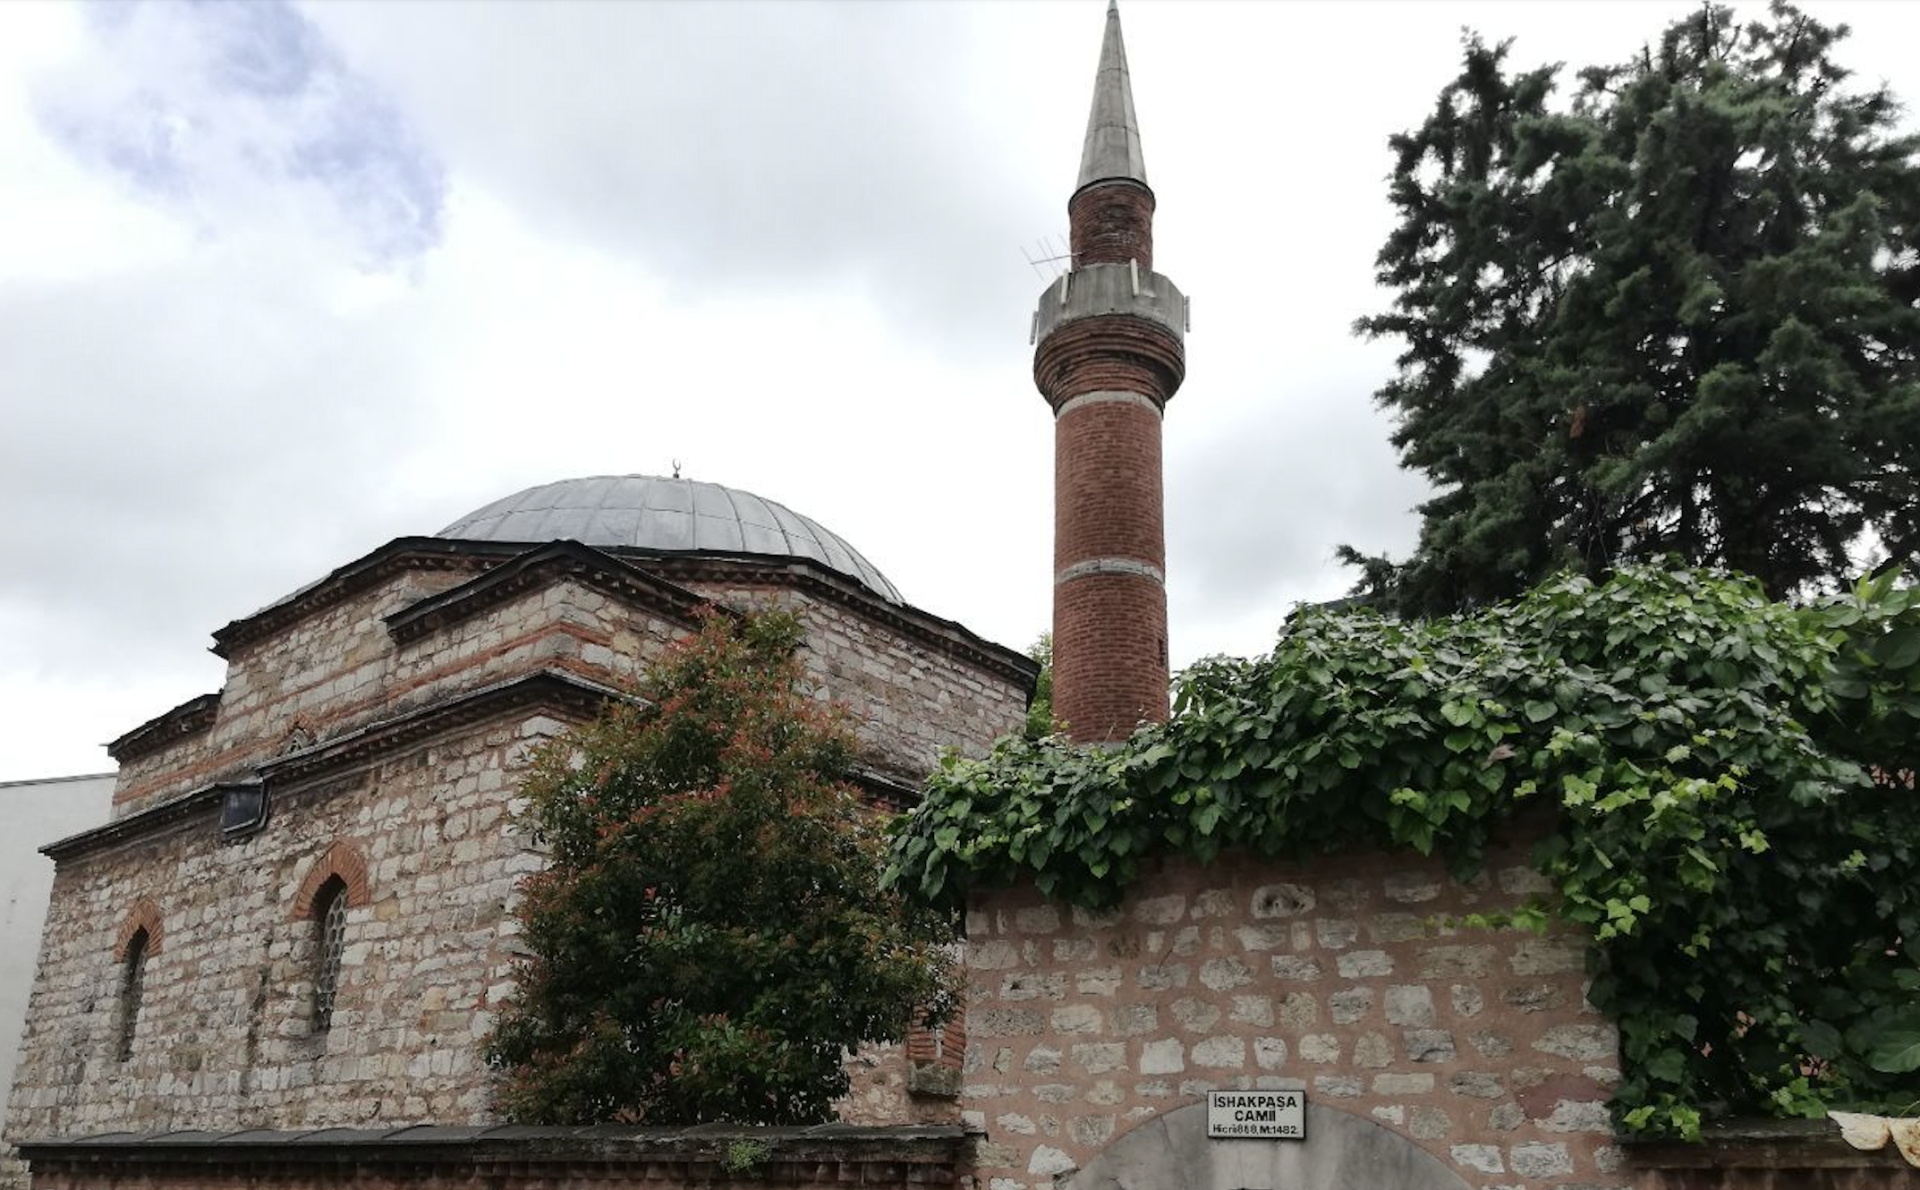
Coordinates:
(164,730)
(205,800)
(550,688)
(942,636)
(884,790)
(535,569)
(397,556)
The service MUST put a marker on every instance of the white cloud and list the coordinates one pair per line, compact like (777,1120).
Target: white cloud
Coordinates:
(416,256)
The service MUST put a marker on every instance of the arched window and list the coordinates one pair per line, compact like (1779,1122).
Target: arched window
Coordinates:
(330,919)
(133,972)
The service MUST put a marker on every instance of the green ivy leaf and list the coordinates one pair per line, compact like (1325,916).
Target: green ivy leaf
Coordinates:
(1896,1050)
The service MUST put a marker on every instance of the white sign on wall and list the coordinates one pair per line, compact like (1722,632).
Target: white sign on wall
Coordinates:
(1257,1115)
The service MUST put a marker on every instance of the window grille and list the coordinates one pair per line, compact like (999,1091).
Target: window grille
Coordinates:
(132,977)
(332,917)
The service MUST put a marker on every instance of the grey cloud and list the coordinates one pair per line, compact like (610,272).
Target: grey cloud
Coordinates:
(740,147)
(1253,518)
(217,109)
(181,444)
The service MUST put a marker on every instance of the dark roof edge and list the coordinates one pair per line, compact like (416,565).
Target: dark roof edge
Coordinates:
(402,553)
(189,718)
(548,687)
(67,780)
(525,572)
(188,805)
(946,636)
(888,790)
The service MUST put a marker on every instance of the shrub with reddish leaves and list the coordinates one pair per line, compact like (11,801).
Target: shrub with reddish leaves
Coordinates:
(710,936)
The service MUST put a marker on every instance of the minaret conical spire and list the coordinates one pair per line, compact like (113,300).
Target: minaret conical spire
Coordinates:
(1113,135)
(1109,352)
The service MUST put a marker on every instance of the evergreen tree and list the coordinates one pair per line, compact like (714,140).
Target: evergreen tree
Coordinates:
(1675,316)
(710,935)
(1040,709)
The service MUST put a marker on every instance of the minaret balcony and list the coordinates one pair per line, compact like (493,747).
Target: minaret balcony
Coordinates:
(1099,290)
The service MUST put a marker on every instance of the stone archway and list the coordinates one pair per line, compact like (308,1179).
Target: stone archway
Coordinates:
(1342,1152)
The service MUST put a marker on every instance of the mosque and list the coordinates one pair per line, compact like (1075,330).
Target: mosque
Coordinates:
(272,966)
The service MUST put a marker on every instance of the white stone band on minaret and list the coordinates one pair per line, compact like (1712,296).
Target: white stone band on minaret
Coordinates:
(1087,566)
(1098,398)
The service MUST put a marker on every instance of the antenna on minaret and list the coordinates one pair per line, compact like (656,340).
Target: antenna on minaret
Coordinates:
(1046,256)
(676,468)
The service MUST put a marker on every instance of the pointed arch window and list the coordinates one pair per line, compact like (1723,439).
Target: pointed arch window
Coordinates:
(330,920)
(133,975)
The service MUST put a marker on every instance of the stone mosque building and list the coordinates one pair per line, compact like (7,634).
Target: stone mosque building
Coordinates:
(272,966)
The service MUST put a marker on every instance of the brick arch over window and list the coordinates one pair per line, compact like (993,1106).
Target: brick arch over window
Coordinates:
(343,860)
(145,915)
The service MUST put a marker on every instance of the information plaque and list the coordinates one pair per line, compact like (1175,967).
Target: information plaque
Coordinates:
(1257,1115)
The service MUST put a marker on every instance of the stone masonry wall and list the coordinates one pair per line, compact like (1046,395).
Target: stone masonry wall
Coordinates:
(339,670)
(313,672)
(910,700)
(1340,976)
(224,1038)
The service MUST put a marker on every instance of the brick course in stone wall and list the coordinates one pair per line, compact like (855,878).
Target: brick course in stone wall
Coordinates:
(1341,976)
(420,828)
(339,669)
(224,1037)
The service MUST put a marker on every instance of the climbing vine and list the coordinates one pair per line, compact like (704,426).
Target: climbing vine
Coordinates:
(1723,786)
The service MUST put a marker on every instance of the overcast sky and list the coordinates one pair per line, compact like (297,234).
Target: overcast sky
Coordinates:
(280,282)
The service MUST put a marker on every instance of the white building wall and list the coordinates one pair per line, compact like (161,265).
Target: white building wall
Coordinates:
(33,814)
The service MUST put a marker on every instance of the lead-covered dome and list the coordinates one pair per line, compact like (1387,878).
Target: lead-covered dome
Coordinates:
(670,515)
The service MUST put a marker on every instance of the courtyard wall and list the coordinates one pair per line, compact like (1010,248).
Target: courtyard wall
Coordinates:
(1345,976)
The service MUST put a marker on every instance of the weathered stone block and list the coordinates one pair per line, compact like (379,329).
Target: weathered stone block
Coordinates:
(1281,900)
(1482,1158)
(1165,1056)
(1409,1004)
(1320,1048)
(1364,964)
(1220,1053)
(1429,1045)
(1299,1010)
(1100,1057)
(1349,1005)
(1292,966)
(1456,962)
(1270,1053)
(1547,956)
(1477,1084)
(1223,974)
(1160,911)
(1252,1010)
(1580,1041)
(1196,1016)
(1536,1160)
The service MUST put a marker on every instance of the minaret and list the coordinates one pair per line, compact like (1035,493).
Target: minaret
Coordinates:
(1110,353)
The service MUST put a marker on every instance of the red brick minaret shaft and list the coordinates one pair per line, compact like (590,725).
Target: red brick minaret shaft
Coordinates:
(1110,352)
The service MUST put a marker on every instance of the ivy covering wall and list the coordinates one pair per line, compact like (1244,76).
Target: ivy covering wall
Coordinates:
(1724,786)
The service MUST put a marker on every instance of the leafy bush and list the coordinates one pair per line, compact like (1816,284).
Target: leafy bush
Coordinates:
(710,935)
(1725,787)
